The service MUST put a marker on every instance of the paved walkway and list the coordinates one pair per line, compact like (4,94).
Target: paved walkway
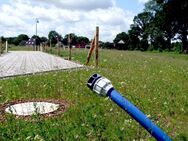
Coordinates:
(29,62)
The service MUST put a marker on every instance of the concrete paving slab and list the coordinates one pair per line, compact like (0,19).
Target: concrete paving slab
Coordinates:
(30,108)
(29,62)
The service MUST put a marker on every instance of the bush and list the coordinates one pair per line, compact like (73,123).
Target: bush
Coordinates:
(177,47)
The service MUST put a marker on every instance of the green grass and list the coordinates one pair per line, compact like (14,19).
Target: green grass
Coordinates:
(156,83)
(19,48)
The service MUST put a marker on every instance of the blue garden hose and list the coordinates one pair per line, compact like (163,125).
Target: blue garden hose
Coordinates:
(103,87)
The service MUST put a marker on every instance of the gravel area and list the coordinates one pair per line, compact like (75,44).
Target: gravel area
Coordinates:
(30,62)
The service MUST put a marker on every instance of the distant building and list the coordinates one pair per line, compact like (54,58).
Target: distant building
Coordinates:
(31,42)
(121,45)
(80,45)
(121,42)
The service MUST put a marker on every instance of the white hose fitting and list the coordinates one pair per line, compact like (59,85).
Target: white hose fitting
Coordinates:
(100,85)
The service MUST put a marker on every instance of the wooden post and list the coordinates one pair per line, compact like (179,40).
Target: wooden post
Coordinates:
(58,48)
(70,47)
(46,47)
(0,47)
(6,46)
(58,45)
(50,46)
(35,45)
(63,47)
(97,47)
(92,46)
(41,47)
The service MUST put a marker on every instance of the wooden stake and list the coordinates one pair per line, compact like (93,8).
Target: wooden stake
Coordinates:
(45,46)
(70,47)
(50,46)
(6,47)
(58,48)
(0,47)
(97,46)
(92,46)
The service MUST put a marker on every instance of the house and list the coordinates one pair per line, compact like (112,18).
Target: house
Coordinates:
(120,45)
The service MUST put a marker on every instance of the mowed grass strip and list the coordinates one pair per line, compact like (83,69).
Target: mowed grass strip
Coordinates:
(157,83)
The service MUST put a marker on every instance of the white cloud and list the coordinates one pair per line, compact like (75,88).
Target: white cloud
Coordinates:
(59,15)
(79,4)
(143,1)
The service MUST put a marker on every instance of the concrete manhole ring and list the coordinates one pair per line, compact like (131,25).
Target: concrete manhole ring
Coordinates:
(27,108)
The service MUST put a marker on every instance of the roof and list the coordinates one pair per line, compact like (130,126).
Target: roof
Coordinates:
(121,42)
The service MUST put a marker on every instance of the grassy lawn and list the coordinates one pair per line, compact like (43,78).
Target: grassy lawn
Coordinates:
(157,83)
(19,48)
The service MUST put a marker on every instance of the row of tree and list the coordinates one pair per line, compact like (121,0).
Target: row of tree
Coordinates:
(162,23)
(53,38)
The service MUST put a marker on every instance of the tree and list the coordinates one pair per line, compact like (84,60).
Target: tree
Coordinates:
(73,39)
(134,40)
(2,39)
(53,36)
(180,17)
(155,28)
(177,15)
(43,39)
(20,38)
(107,45)
(153,6)
(161,22)
(37,40)
(121,36)
(141,22)
(11,40)
(81,39)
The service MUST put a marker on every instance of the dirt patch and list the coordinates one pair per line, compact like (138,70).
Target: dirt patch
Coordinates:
(63,105)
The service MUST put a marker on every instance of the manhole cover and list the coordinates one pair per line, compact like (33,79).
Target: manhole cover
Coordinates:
(30,108)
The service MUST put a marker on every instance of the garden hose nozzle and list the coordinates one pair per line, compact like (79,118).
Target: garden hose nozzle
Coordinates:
(99,84)
(102,86)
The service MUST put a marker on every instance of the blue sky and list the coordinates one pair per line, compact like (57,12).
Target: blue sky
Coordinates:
(135,6)
(68,16)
